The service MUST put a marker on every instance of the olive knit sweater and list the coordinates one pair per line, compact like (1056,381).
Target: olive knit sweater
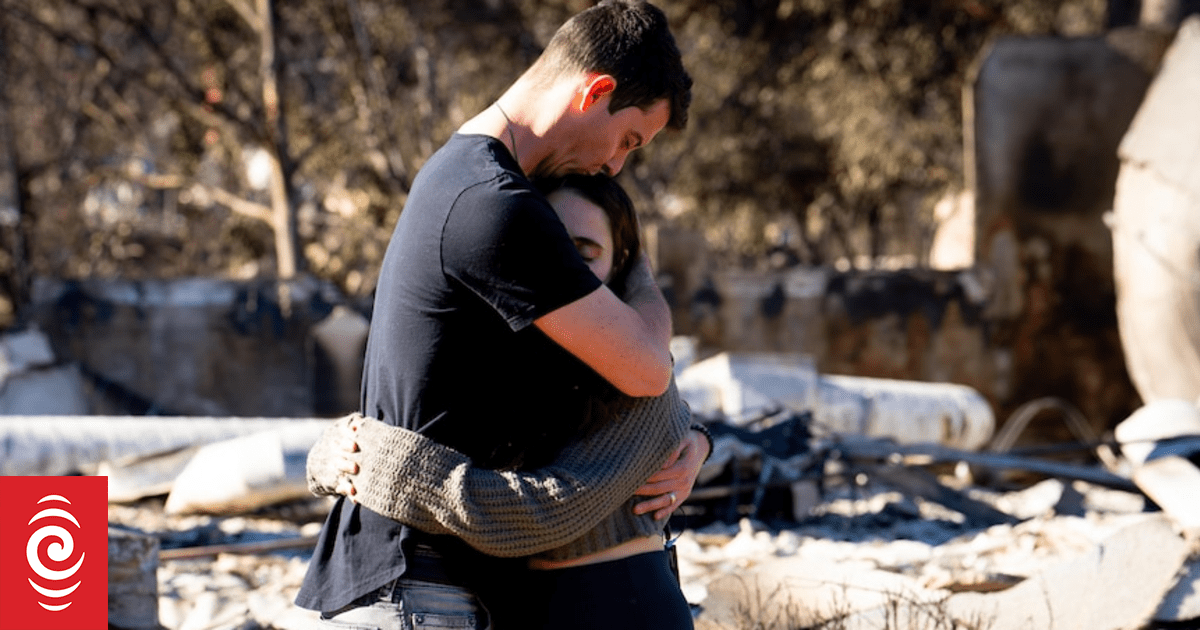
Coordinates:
(578,504)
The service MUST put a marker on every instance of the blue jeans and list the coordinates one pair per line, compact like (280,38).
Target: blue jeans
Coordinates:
(412,605)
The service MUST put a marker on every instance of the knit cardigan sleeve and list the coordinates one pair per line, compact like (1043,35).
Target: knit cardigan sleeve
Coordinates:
(578,504)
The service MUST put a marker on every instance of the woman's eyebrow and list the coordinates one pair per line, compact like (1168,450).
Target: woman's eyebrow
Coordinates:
(583,240)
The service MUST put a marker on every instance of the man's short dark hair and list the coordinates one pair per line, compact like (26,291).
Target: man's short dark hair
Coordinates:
(630,40)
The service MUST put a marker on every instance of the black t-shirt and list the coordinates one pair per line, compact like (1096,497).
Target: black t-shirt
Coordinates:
(477,255)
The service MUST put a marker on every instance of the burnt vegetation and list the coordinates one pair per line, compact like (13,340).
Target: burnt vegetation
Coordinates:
(247,138)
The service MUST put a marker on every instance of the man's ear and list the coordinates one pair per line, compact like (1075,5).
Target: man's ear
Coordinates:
(597,87)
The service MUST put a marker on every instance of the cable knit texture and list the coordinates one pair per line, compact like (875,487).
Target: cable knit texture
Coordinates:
(579,504)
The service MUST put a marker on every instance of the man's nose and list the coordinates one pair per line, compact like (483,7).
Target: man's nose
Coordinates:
(613,166)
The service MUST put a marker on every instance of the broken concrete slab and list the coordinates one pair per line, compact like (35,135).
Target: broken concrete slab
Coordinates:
(1164,128)
(791,592)
(1150,427)
(1173,483)
(44,391)
(1114,586)
(245,473)
(143,476)
(1158,440)
(1156,229)
(24,350)
(30,382)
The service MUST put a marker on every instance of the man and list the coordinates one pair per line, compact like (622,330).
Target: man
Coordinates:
(485,317)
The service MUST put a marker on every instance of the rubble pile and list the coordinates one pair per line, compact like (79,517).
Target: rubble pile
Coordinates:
(865,549)
(828,502)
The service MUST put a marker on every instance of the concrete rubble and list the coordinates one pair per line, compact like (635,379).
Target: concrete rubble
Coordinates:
(1126,568)
(868,557)
(863,552)
(1162,443)
(817,503)
(32,382)
(1109,573)
(245,473)
(814,506)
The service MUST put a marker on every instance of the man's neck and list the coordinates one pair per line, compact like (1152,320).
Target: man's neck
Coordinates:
(525,120)
(492,121)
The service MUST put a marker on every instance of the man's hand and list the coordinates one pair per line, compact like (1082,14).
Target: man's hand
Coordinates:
(672,485)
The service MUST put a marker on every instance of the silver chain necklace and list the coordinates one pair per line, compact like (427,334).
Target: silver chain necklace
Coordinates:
(511,137)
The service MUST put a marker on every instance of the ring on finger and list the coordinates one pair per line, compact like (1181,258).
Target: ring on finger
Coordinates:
(672,495)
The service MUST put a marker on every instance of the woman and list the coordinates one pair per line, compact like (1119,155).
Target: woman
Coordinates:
(588,570)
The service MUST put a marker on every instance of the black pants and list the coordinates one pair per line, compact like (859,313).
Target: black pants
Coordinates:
(635,593)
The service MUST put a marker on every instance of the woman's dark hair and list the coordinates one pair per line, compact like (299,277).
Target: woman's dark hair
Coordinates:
(605,192)
(630,40)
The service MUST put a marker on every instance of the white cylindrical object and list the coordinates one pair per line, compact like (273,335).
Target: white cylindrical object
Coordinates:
(914,412)
(60,445)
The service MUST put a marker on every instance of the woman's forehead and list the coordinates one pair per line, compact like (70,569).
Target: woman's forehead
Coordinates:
(579,213)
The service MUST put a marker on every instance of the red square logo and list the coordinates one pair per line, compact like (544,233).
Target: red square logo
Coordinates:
(54,553)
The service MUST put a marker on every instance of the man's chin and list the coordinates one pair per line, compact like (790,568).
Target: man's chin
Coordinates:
(567,170)
(560,173)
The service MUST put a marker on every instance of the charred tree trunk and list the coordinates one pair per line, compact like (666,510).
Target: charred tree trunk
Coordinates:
(283,219)
(13,226)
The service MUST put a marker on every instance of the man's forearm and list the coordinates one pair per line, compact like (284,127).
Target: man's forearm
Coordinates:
(625,338)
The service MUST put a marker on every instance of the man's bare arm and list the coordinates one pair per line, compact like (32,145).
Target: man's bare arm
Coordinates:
(626,342)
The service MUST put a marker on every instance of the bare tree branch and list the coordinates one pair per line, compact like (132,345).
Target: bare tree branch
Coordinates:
(376,103)
(169,181)
(191,92)
(252,19)
(287,254)
(237,204)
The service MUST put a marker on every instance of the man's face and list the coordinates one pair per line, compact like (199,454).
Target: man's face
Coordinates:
(607,139)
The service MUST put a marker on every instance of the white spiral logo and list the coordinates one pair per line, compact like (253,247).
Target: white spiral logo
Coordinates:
(58,551)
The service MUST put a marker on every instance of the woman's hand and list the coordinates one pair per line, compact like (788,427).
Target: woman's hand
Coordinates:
(672,485)
(346,460)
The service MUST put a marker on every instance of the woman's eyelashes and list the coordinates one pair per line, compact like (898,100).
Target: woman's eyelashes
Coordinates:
(589,250)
